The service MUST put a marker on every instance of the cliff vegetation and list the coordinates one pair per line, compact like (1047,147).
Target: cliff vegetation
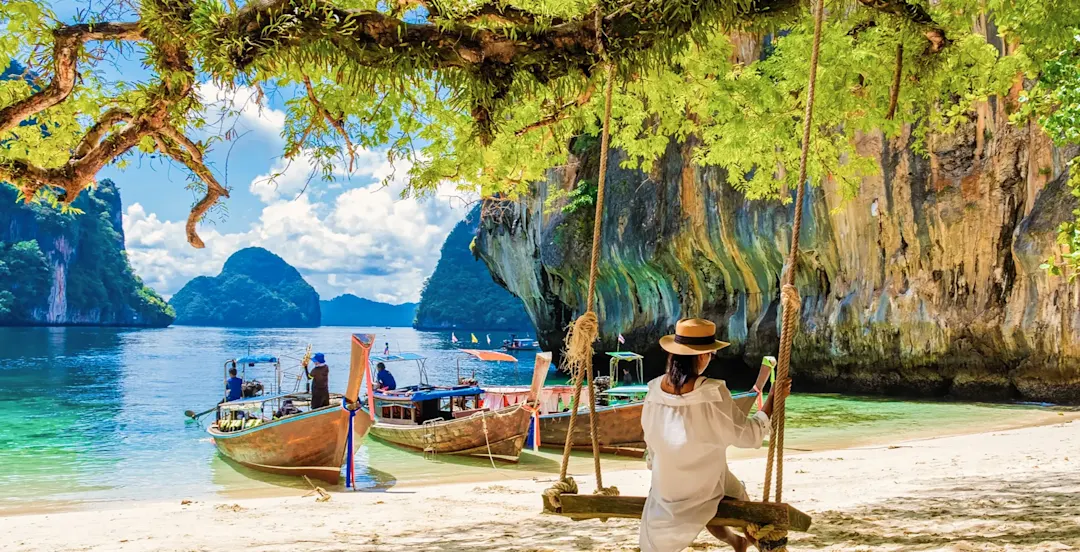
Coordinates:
(461,293)
(70,267)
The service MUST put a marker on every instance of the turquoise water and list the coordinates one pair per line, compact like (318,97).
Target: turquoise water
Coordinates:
(95,415)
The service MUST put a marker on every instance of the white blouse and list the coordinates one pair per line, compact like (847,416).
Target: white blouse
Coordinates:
(687,437)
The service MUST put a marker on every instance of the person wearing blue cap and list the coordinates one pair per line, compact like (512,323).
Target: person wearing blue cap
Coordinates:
(320,382)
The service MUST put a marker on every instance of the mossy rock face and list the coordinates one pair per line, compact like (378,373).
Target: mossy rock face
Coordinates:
(925,284)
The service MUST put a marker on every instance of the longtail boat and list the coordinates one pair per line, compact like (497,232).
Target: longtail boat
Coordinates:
(274,433)
(618,410)
(452,419)
(520,344)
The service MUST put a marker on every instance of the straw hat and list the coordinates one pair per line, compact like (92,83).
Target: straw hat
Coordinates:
(692,336)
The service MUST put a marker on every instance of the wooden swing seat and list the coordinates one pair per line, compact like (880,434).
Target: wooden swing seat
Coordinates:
(729,513)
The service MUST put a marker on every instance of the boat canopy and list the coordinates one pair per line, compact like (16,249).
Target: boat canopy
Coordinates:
(257,359)
(625,355)
(429,394)
(627,390)
(400,357)
(490,355)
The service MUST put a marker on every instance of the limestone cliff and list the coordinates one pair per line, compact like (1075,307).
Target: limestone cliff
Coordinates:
(927,282)
(87,277)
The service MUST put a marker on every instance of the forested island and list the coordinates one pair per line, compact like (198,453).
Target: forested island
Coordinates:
(69,267)
(461,292)
(255,288)
(350,310)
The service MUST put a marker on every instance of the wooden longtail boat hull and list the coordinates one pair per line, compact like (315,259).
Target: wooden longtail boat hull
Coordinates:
(504,431)
(311,444)
(619,429)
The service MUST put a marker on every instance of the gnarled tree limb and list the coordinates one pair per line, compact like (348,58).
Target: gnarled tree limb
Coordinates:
(337,123)
(186,152)
(67,45)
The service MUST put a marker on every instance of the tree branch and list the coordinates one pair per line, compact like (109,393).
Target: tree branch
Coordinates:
(67,45)
(335,122)
(914,13)
(179,147)
(894,91)
(93,136)
(560,113)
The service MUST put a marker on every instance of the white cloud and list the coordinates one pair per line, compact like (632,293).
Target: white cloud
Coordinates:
(366,240)
(239,107)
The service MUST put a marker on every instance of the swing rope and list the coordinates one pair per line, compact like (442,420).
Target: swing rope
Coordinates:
(586,328)
(789,295)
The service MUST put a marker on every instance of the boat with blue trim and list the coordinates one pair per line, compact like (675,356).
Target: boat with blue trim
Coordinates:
(277,432)
(452,419)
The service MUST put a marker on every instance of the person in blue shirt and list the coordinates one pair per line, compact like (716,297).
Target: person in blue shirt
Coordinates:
(234,386)
(385,379)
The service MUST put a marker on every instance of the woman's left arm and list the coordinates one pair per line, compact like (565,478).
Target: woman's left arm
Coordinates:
(746,432)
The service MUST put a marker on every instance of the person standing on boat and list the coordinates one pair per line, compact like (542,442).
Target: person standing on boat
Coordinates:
(320,382)
(689,422)
(234,386)
(385,379)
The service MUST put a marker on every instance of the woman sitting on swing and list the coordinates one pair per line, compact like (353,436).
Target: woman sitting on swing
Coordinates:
(689,422)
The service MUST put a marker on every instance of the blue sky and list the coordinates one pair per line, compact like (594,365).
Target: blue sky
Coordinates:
(352,235)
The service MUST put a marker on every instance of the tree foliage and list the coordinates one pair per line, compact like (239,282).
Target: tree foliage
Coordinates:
(25,273)
(488,94)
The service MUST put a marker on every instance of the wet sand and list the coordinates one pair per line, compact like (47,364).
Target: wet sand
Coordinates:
(1000,490)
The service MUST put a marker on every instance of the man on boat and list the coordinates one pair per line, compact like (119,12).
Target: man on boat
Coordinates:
(385,379)
(320,382)
(234,386)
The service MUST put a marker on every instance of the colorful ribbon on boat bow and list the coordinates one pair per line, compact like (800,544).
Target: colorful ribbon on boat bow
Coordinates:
(350,468)
(535,413)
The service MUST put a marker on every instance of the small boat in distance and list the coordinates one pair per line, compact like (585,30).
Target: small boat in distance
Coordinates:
(451,419)
(276,433)
(520,344)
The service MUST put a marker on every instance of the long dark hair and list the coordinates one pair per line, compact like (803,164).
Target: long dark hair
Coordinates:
(681,370)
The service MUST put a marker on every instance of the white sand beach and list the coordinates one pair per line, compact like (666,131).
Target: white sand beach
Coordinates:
(1006,490)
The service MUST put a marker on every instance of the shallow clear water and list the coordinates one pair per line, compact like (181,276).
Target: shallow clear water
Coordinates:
(91,415)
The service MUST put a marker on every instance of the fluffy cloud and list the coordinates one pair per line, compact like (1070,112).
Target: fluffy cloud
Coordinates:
(366,241)
(239,107)
(353,235)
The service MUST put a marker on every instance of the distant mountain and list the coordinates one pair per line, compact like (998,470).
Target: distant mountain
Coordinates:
(350,310)
(71,268)
(461,293)
(256,288)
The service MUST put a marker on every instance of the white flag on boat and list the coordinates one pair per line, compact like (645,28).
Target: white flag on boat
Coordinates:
(622,340)
(453,338)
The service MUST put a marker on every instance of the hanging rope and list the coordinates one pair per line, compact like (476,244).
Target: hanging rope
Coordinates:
(789,295)
(586,328)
